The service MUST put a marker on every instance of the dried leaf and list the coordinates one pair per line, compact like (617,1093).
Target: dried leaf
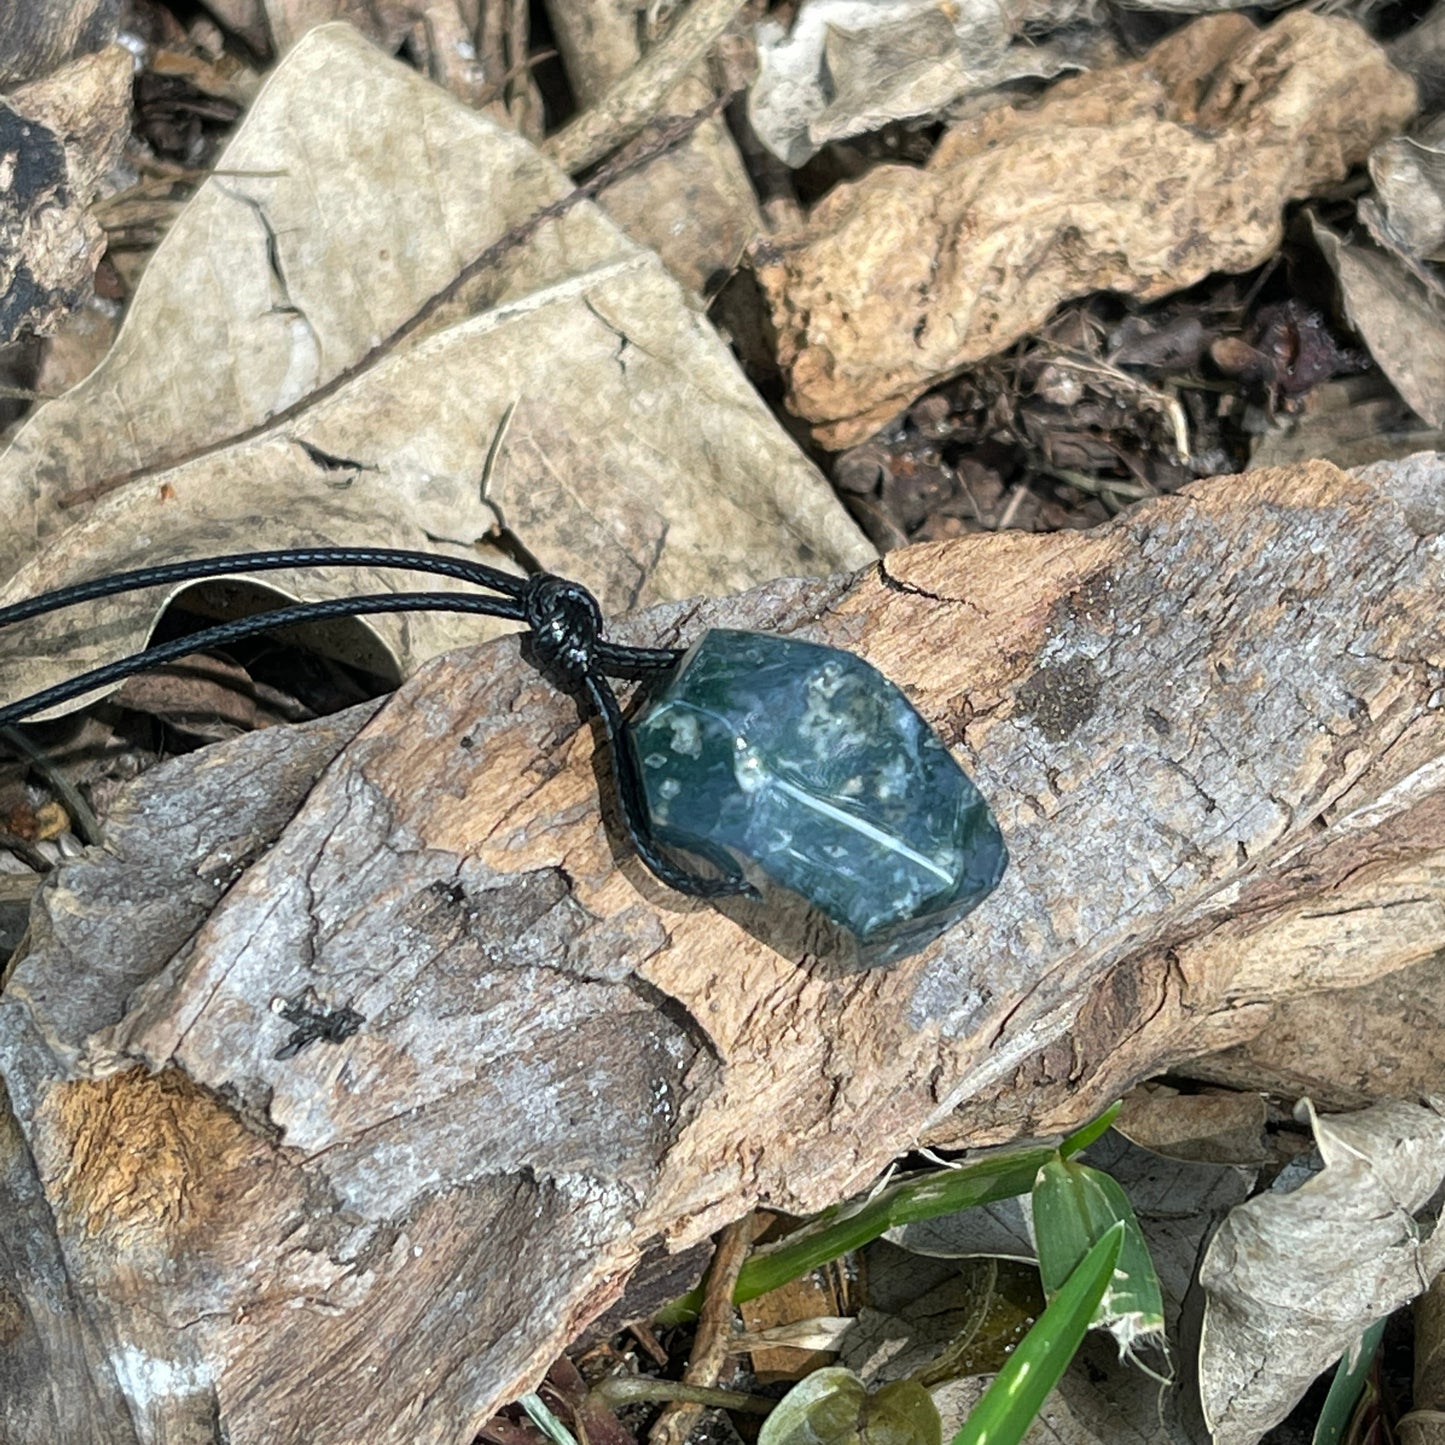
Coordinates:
(1401,323)
(1351,422)
(1140,179)
(1409,177)
(584,408)
(1215,1127)
(1292,1279)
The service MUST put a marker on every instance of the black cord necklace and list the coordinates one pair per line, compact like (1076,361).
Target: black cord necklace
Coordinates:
(781,761)
(562,617)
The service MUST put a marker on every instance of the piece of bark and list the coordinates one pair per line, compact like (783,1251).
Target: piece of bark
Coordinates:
(37,36)
(1140,179)
(1213,736)
(58,136)
(1344,1047)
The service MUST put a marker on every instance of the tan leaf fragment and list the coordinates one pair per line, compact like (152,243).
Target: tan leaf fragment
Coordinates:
(1140,179)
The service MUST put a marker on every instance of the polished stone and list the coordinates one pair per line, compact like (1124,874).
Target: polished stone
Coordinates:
(811,771)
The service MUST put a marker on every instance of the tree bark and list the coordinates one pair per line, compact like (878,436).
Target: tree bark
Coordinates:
(1214,737)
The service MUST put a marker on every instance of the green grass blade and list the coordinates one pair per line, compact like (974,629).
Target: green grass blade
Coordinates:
(844,1228)
(1347,1387)
(545,1420)
(1019,1389)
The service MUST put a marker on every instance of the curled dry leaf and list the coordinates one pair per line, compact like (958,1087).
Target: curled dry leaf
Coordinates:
(58,136)
(572,399)
(1140,179)
(1291,1280)
(850,66)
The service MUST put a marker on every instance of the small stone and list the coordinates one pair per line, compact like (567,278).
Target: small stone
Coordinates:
(811,771)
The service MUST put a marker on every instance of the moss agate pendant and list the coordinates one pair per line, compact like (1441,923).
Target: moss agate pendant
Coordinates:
(809,770)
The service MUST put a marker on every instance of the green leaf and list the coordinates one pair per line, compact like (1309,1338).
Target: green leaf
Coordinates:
(844,1228)
(833,1407)
(1075,1206)
(1347,1387)
(1019,1389)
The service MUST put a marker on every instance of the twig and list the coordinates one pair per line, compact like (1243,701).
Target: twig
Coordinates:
(666,135)
(525,107)
(618,1390)
(712,1344)
(638,96)
(649,1343)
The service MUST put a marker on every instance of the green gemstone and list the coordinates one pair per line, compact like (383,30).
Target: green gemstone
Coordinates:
(813,772)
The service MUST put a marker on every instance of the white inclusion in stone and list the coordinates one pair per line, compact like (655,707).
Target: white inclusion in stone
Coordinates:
(686,735)
(748,767)
(893,781)
(656,760)
(852,788)
(669,788)
(889,841)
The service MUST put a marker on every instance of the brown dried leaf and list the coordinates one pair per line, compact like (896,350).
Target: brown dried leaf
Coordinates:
(1141,179)
(577,401)
(1214,1127)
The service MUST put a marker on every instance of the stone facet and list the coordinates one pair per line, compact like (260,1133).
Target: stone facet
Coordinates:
(810,770)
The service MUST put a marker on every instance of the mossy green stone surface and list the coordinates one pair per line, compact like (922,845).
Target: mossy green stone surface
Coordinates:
(812,771)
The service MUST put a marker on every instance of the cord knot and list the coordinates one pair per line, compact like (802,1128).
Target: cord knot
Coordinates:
(566,624)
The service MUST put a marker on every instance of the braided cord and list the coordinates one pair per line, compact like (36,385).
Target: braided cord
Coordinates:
(563,617)
(224,633)
(198,568)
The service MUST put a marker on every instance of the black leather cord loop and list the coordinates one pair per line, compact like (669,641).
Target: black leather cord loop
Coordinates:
(562,617)
(566,625)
